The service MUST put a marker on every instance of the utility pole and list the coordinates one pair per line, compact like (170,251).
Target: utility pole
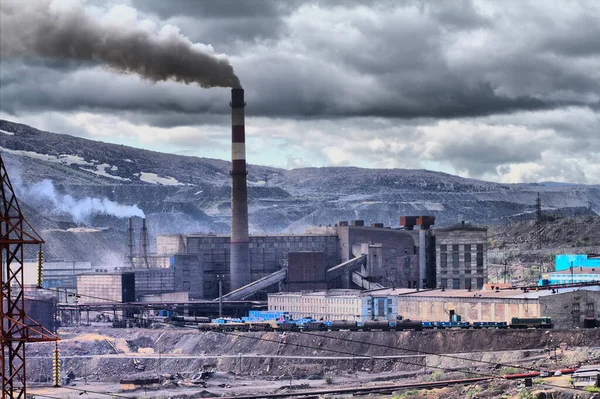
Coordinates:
(16,328)
(220,278)
(571,268)
(538,209)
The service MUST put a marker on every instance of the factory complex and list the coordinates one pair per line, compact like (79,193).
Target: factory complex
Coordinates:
(346,271)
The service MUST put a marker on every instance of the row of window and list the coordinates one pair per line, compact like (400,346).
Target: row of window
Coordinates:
(456,271)
(456,259)
(313,300)
(466,247)
(313,310)
(589,308)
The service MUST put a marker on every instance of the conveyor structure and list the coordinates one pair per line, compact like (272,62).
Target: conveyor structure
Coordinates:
(255,286)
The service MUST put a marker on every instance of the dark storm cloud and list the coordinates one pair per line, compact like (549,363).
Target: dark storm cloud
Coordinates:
(41,29)
(324,59)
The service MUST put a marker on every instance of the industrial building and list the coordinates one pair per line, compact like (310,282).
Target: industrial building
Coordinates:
(347,255)
(60,274)
(127,285)
(567,277)
(106,287)
(461,255)
(579,261)
(569,308)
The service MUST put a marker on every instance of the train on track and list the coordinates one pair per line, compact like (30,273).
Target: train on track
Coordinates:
(283,323)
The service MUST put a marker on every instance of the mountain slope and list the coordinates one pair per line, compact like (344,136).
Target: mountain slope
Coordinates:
(101,183)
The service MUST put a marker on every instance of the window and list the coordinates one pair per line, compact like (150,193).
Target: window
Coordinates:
(479,283)
(455,248)
(576,308)
(467,259)
(444,282)
(479,260)
(186,285)
(455,283)
(443,260)
(407,265)
(455,260)
(589,309)
(443,248)
(467,283)
(479,247)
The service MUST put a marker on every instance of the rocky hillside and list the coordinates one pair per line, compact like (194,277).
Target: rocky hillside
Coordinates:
(556,235)
(66,182)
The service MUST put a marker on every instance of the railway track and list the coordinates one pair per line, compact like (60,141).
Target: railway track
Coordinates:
(379,389)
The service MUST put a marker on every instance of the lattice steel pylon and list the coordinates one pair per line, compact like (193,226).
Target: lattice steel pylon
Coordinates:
(17,327)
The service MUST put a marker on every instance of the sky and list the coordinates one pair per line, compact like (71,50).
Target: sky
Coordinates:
(505,91)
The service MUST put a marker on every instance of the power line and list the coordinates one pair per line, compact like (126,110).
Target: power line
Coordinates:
(399,361)
(333,351)
(418,351)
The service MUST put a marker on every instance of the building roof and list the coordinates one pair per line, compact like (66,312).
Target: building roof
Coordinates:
(335,292)
(264,235)
(516,293)
(461,226)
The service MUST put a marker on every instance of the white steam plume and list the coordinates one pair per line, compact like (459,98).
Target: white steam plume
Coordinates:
(119,39)
(79,209)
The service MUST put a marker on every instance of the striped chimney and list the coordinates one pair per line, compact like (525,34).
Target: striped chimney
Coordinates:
(238,265)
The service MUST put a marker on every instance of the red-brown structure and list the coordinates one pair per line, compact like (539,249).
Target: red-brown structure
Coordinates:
(17,327)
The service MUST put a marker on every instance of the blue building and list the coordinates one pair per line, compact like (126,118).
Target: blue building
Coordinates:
(564,277)
(564,262)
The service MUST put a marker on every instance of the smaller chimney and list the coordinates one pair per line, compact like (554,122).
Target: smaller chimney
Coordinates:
(144,243)
(130,244)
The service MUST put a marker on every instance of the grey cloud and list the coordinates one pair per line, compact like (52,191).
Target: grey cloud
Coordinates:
(39,29)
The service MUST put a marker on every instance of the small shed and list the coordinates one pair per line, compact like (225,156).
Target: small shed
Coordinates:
(587,376)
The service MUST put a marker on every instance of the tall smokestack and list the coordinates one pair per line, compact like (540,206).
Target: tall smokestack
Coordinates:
(238,266)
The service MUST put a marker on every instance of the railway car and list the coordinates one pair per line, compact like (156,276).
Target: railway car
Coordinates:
(531,322)
(402,325)
(383,325)
(489,324)
(190,319)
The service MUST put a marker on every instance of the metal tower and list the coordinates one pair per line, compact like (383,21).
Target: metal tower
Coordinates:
(144,243)
(131,245)
(17,327)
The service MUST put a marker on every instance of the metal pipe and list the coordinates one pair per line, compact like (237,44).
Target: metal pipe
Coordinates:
(220,295)
(239,268)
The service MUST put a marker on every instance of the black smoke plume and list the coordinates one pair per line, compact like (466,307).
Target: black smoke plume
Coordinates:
(66,30)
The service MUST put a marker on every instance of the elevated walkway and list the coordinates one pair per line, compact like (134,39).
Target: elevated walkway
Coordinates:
(255,286)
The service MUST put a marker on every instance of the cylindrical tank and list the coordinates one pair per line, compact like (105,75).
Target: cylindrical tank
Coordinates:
(376,325)
(409,325)
(343,325)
